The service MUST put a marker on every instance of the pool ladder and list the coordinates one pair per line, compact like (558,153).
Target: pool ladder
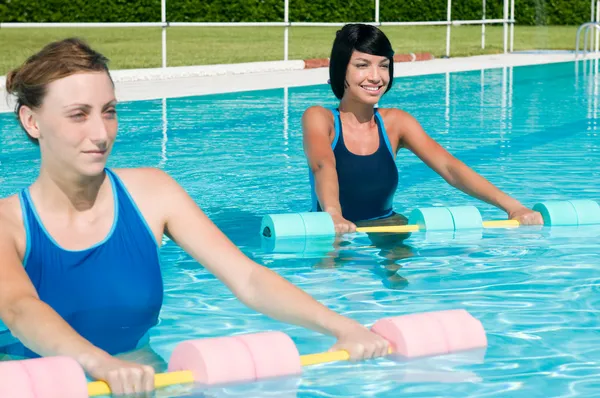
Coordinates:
(588,28)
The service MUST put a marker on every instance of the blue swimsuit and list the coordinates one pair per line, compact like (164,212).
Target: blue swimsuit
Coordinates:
(366,183)
(110,293)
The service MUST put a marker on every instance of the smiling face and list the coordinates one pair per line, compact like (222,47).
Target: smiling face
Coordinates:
(367,77)
(76,125)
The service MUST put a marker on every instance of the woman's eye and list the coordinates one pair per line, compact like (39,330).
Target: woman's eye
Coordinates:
(77,116)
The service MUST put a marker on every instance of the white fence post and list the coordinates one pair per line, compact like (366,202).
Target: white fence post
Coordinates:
(448,27)
(505,26)
(597,19)
(377,11)
(512,25)
(163,19)
(483,26)
(286,32)
(592,19)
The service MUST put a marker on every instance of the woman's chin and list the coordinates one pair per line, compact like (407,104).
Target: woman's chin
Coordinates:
(371,99)
(92,169)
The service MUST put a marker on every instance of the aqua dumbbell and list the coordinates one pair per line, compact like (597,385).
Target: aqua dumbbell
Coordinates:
(297,225)
(569,212)
(446,218)
(320,224)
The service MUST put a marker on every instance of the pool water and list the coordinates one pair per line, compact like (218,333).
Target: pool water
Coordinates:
(532,131)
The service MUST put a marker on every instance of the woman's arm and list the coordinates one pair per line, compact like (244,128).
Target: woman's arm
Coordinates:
(255,285)
(316,126)
(458,174)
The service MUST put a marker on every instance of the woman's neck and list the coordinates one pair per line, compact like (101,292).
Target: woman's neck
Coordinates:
(357,112)
(64,192)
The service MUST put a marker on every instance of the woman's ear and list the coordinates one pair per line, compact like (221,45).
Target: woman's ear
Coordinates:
(28,119)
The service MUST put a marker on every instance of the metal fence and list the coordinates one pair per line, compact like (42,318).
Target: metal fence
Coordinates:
(508,21)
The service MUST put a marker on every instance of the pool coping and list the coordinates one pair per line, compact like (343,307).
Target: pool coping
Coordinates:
(173,82)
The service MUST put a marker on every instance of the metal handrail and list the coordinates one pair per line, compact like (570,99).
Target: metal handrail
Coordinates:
(587,27)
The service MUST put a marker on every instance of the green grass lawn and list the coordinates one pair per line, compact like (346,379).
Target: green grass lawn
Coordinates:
(141,47)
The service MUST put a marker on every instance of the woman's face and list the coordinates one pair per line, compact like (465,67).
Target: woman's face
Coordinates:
(367,77)
(76,125)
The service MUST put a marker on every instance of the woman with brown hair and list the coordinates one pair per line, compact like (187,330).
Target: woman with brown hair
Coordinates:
(80,272)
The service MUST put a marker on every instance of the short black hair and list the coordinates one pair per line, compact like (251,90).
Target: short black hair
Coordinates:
(360,37)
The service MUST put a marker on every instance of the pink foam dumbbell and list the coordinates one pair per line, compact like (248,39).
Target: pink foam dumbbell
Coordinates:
(239,358)
(214,360)
(461,329)
(274,354)
(52,377)
(432,333)
(19,385)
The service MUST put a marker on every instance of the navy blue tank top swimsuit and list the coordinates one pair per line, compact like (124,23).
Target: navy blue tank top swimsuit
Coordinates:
(366,183)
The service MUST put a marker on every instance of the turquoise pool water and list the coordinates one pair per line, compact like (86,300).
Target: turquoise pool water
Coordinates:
(532,131)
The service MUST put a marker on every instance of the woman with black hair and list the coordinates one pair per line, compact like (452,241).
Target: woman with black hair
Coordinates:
(351,150)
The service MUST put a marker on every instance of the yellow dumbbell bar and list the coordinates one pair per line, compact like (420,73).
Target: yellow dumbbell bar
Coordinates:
(415,228)
(97,388)
(161,380)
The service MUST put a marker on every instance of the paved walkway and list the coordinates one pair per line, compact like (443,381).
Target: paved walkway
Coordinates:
(141,84)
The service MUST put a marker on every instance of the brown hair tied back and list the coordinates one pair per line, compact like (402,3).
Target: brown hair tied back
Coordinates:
(28,83)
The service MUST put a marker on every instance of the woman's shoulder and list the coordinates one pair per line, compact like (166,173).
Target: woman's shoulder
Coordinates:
(153,191)
(395,119)
(144,179)
(10,210)
(393,114)
(317,121)
(11,220)
(318,113)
